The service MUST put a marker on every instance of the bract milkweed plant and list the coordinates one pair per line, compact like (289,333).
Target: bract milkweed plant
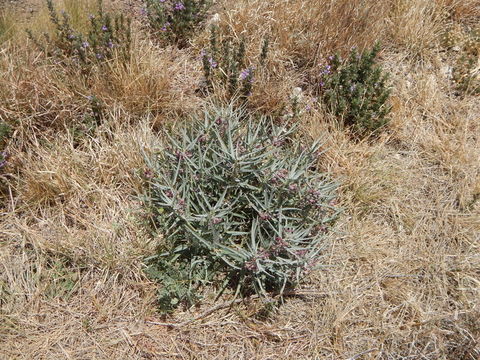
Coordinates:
(240,206)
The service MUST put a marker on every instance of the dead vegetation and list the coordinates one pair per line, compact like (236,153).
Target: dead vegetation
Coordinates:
(402,274)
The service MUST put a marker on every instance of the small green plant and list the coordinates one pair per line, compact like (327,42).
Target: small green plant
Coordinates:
(240,207)
(356,90)
(466,71)
(91,120)
(107,37)
(225,64)
(60,280)
(175,20)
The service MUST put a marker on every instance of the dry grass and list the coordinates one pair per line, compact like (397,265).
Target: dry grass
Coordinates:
(402,274)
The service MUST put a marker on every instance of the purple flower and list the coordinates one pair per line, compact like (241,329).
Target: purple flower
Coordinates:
(251,265)
(263,254)
(104,28)
(99,56)
(183,155)
(71,36)
(301,253)
(244,74)
(110,44)
(279,176)
(91,16)
(213,63)
(179,6)
(293,187)
(85,44)
(264,216)
(148,173)
(165,26)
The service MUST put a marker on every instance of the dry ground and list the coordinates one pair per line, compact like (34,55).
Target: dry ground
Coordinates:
(402,272)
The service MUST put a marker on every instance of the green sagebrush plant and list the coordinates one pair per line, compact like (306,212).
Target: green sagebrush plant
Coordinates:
(107,36)
(225,64)
(356,90)
(174,21)
(240,207)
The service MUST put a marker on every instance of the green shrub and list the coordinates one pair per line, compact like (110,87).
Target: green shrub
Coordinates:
(225,64)
(107,37)
(175,20)
(240,207)
(356,91)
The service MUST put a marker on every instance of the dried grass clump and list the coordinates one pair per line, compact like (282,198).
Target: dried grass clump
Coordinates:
(305,30)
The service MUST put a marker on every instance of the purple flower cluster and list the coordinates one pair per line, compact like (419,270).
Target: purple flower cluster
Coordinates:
(216,221)
(301,253)
(314,198)
(264,254)
(246,74)
(279,176)
(264,216)
(179,6)
(165,26)
(327,70)
(240,147)
(148,173)
(213,63)
(182,155)
(251,265)
(293,187)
